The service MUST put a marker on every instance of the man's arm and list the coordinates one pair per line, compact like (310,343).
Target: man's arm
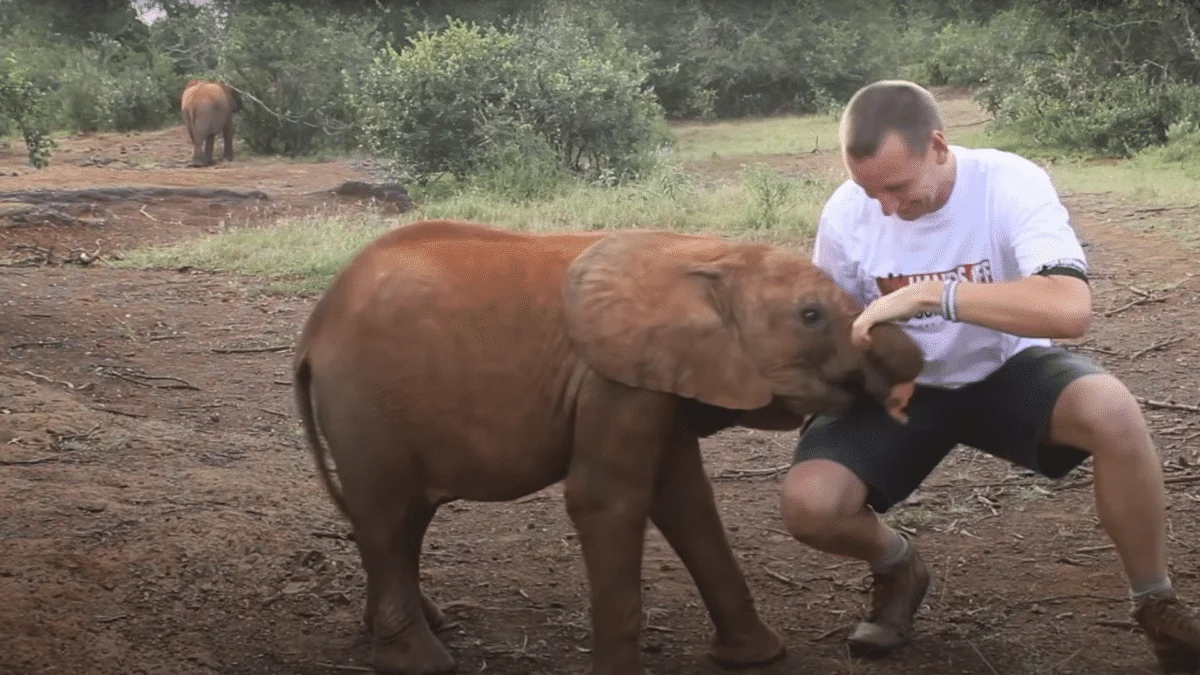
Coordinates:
(1051,300)
(1050,306)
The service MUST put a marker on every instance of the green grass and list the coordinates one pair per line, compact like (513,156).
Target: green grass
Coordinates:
(759,202)
(303,254)
(755,137)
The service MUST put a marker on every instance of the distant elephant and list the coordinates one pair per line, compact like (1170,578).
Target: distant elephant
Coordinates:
(450,360)
(208,109)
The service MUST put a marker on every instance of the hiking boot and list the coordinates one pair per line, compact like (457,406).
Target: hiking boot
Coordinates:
(1172,631)
(895,597)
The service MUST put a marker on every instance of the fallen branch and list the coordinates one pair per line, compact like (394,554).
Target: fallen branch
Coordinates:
(1177,480)
(780,577)
(250,350)
(137,378)
(123,413)
(64,383)
(1132,303)
(1150,403)
(42,343)
(1161,344)
(351,669)
(734,474)
(27,462)
(984,658)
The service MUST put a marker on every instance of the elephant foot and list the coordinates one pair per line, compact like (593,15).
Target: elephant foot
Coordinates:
(759,647)
(433,614)
(412,656)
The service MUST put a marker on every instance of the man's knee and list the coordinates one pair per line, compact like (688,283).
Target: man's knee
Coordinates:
(1098,414)
(818,496)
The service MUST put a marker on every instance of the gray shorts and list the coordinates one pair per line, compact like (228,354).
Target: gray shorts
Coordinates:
(1006,415)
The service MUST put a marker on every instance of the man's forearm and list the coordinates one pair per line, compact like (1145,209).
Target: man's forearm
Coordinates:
(1037,306)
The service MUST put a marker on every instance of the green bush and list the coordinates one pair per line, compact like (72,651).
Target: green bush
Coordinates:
(454,100)
(24,105)
(295,70)
(1067,104)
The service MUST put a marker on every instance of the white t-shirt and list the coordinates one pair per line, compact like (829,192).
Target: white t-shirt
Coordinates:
(1003,222)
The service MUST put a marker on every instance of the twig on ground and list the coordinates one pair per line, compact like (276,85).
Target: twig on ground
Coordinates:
(27,462)
(110,619)
(1057,598)
(779,577)
(273,412)
(831,632)
(43,378)
(1161,344)
(984,658)
(137,378)
(123,413)
(349,669)
(735,474)
(250,350)
(1150,403)
(1132,303)
(40,343)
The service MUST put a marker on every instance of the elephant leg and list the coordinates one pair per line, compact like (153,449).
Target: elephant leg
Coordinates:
(197,148)
(227,133)
(686,513)
(208,148)
(608,490)
(403,642)
(433,613)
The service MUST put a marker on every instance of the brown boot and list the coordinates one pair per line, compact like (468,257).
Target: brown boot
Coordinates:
(1172,631)
(895,597)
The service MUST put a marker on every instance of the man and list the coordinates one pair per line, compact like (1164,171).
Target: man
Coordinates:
(973,252)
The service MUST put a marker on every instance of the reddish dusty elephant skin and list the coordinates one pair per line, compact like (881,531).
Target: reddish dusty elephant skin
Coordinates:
(208,109)
(451,361)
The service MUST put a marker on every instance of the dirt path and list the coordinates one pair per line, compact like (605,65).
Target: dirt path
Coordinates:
(158,513)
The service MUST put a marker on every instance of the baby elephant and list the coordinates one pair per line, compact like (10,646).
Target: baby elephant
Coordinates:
(208,109)
(451,360)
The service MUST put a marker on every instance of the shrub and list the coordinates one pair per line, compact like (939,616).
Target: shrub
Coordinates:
(295,69)
(455,100)
(23,104)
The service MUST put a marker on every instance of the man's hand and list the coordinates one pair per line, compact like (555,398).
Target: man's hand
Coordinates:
(901,304)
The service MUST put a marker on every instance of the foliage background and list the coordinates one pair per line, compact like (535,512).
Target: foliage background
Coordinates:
(584,87)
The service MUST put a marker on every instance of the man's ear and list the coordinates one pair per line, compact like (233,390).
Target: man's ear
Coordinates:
(940,146)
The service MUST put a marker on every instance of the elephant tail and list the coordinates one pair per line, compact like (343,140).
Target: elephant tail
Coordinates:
(303,390)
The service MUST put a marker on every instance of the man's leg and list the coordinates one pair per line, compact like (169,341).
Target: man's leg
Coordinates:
(1048,409)
(848,468)
(1098,414)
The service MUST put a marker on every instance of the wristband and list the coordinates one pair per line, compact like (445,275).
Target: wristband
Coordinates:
(949,299)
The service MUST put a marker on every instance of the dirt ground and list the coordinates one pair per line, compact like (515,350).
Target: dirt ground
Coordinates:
(159,512)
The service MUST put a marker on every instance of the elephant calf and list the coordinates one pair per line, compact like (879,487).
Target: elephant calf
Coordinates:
(452,361)
(208,109)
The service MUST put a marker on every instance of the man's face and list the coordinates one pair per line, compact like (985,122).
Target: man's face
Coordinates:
(904,183)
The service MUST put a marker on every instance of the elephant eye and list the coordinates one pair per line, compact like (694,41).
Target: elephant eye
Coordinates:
(811,316)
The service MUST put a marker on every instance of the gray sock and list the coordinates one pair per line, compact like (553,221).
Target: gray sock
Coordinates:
(1146,587)
(894,554)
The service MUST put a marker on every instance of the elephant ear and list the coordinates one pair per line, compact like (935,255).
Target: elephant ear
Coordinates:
(654,310)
